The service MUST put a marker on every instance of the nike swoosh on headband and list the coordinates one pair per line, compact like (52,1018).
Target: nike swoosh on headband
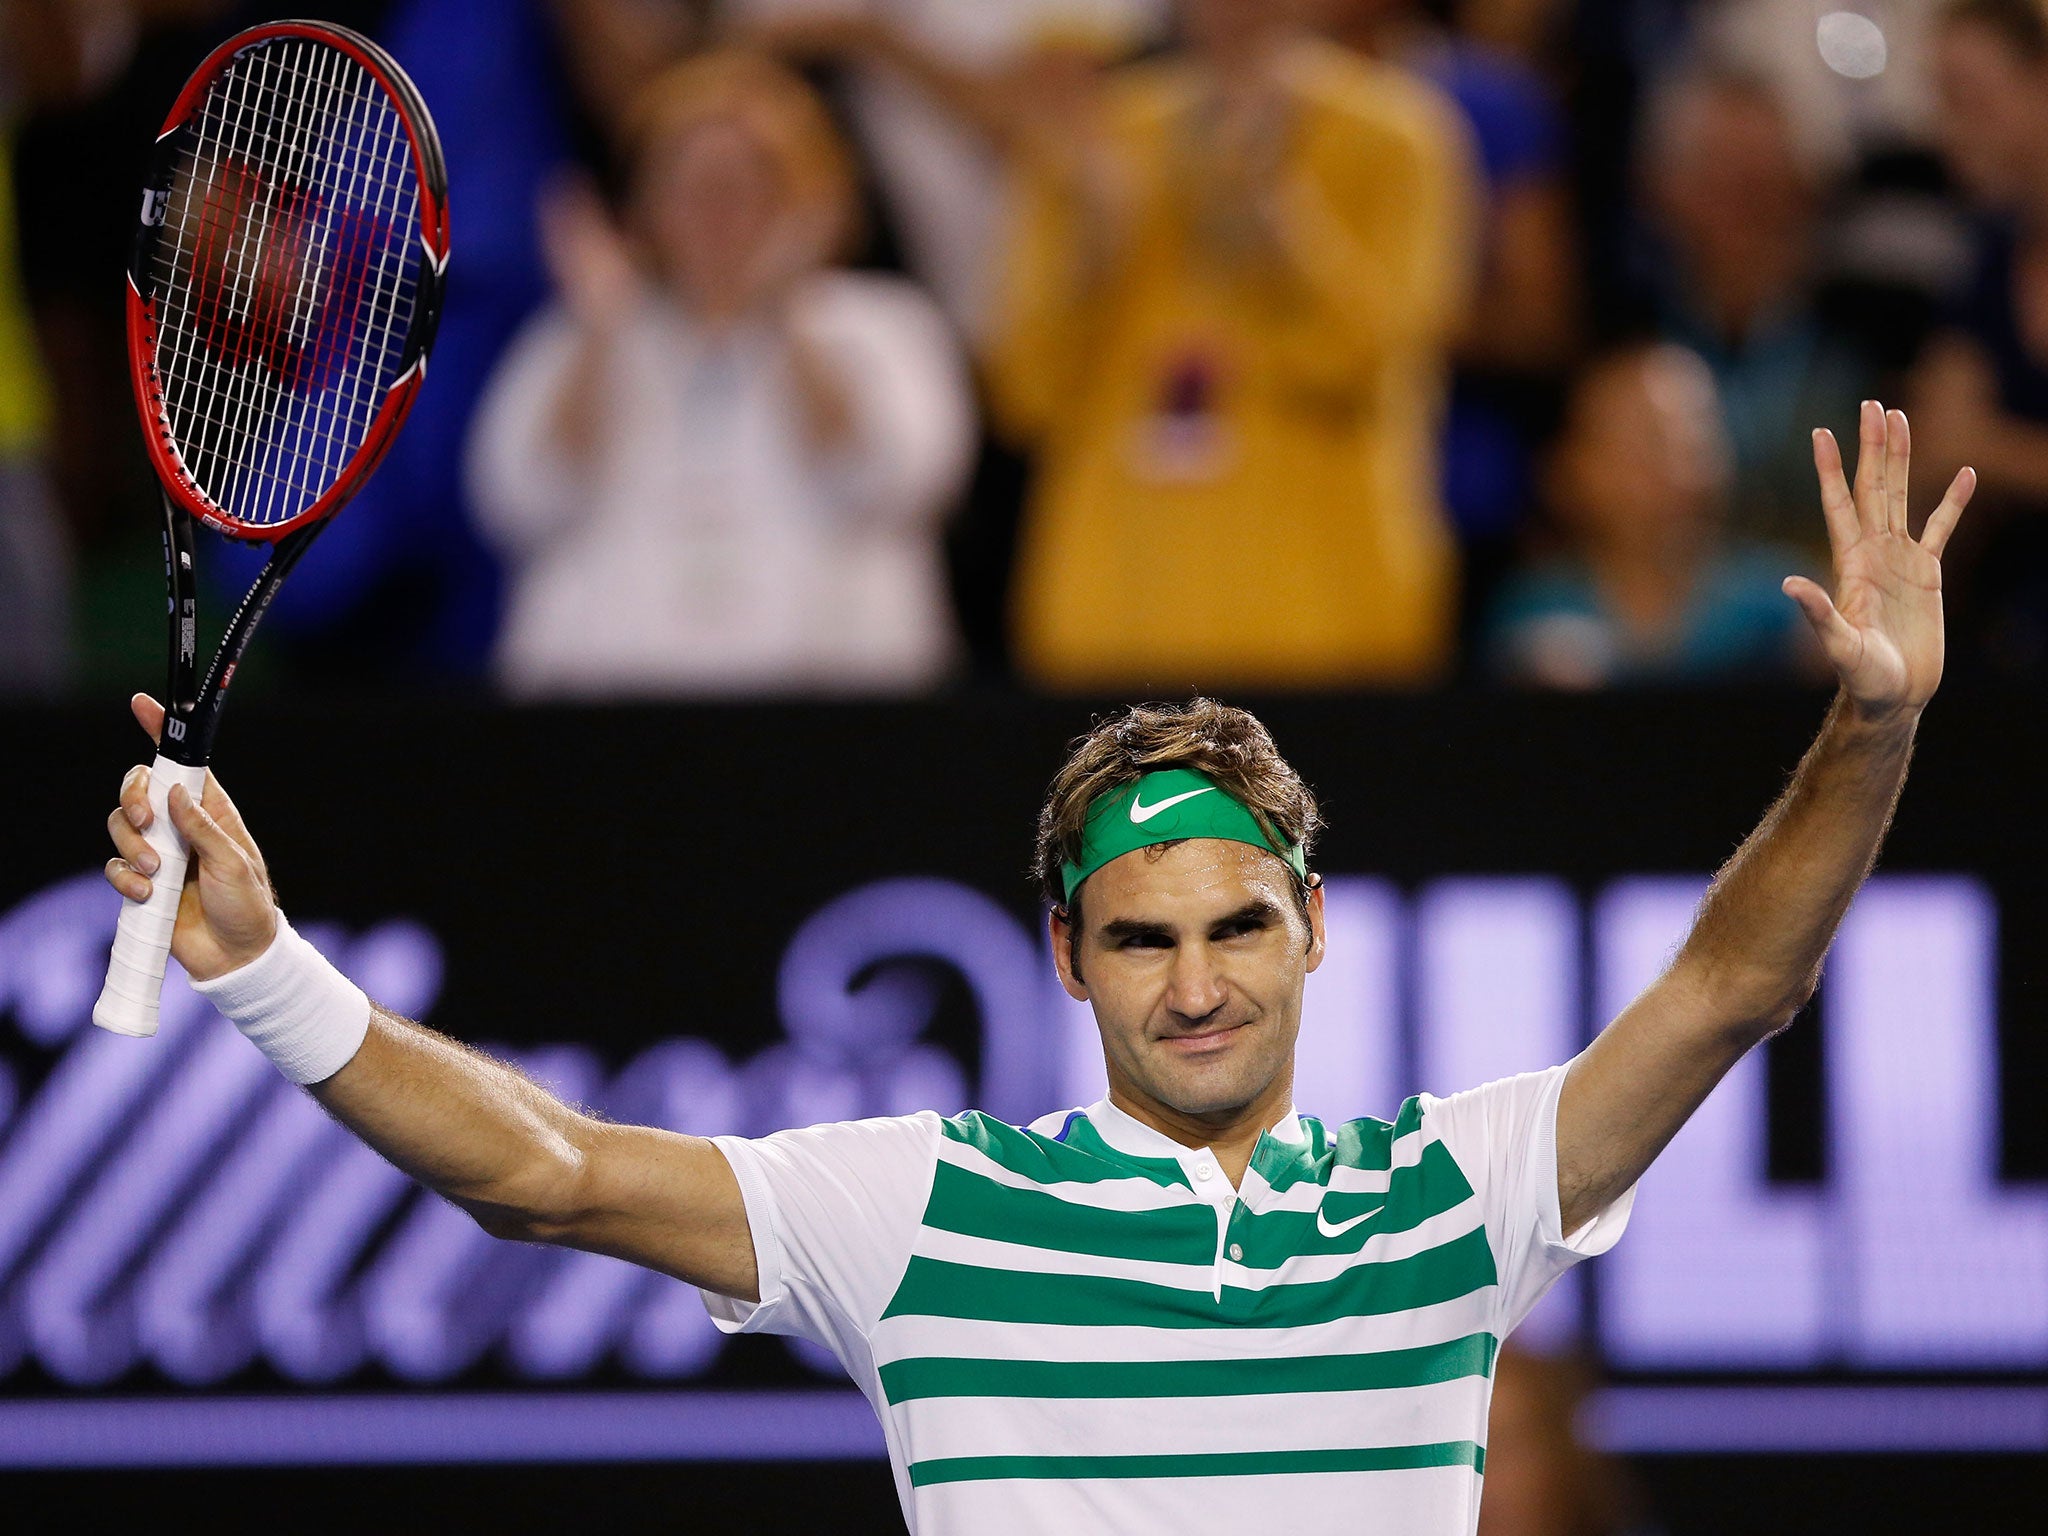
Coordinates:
(1144,813)
(1338,1229)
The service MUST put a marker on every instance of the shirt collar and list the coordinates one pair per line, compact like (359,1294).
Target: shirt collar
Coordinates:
(1132,1137)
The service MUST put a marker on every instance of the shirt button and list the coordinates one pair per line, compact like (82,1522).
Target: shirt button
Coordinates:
(1236,1251)
(1202,1172)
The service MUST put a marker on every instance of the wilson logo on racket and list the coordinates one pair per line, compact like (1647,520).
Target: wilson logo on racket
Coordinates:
(275,280)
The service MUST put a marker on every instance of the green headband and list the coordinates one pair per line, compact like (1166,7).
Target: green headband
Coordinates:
(1164,807)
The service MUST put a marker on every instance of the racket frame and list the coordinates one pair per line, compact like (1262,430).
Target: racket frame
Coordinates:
(192,704)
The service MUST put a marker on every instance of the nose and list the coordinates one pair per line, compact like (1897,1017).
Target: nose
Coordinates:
(1195,987)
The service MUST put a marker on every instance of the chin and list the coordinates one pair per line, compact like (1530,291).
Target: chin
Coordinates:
(1220,1091)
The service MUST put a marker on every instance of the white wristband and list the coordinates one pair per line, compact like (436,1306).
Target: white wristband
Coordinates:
(299,1010)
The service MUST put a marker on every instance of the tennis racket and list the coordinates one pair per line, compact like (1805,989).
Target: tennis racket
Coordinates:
(282,294)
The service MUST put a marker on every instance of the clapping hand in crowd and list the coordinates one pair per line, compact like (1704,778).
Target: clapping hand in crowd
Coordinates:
(595,271)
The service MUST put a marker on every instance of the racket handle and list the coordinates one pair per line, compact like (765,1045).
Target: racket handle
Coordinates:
(142,939)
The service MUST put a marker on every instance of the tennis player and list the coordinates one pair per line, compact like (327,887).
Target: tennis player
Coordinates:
(1185,1308)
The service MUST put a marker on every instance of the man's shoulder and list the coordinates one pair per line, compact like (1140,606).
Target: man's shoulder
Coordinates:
(1061,1147)
(1369,1142)
(1018,1147)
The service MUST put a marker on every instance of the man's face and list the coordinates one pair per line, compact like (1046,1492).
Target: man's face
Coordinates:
(1193,958)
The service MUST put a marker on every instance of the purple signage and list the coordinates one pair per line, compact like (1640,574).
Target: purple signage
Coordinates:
(173,1208)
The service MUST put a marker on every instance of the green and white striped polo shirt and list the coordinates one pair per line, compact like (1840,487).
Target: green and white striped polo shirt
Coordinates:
(1080,1326)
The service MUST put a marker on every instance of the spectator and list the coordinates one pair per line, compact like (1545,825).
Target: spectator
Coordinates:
(1523,326)
(405,591)
(94,83)
(1980,396)
(928,83)
(1646,586)
(1230,293)
(947,96)
(1844,95)
(1524,29)
(715,462)
(1542,1478)
(1739,215)
(1524,316)
(35,553)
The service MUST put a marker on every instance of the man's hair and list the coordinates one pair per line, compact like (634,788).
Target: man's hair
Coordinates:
(1229,745)
(2021,24)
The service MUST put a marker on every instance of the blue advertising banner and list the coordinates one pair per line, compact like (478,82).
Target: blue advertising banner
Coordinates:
(740,920)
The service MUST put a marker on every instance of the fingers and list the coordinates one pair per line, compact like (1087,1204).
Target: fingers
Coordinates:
(1898,453)
(1835,503)
(1836,634)
(135,797)
(129,873)
(1870,433)
(1942,521)
(124,878)
(207,837)
(130,843)
(222,809)
(148,714)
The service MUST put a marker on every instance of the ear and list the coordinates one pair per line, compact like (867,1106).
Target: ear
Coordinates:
(1062,934)
(1318,933)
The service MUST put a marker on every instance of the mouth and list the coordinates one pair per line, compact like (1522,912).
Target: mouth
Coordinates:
(1204,1043)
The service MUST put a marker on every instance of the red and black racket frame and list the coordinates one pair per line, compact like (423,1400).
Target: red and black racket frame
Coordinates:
(192,705)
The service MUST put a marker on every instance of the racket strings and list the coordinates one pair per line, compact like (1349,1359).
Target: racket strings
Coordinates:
(345,238)
(287,276)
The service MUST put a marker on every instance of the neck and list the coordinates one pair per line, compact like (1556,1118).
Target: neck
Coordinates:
(1738,289)
(1243,59)
(1392,34)
(1232,1134)
(1648,580)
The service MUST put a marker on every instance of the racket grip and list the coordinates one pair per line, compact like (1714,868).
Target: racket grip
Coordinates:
(142,938)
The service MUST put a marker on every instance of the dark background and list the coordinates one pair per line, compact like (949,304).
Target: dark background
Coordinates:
(1726,1496)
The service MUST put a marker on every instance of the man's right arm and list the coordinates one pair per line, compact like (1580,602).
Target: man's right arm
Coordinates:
(479,1132)
(530,1167)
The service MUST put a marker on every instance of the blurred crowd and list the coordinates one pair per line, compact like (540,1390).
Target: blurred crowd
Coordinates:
(877,347)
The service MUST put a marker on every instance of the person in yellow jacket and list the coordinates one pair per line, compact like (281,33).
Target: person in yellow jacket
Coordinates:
(1231,281)
(35,554)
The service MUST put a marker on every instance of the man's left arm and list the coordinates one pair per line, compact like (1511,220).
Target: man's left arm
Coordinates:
(1754,955)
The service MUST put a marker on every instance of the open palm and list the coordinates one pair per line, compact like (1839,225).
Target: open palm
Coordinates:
(1882,630)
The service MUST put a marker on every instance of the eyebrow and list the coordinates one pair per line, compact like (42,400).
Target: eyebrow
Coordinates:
(1258,909)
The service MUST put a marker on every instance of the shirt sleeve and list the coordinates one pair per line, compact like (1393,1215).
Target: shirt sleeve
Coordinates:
(914,424)
(1503,1137)
(833,1211)
(1385,204)
(520,486)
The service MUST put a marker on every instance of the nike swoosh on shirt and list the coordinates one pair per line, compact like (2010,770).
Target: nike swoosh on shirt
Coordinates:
(1144,813)
(1338,1229)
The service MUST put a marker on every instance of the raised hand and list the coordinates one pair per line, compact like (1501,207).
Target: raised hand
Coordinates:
(1883,629)
(227,913)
